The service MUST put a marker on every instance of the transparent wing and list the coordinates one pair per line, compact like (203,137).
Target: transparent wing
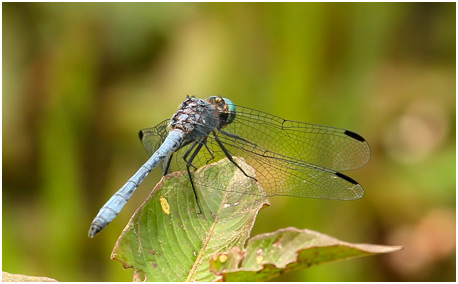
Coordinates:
(153,137)
(277,174)
(328,147)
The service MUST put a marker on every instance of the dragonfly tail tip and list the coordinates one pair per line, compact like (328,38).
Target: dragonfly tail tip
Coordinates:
(94,230)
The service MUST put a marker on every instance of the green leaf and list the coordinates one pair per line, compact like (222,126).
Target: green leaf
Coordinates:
(9,277)
(269,255)
(167,240)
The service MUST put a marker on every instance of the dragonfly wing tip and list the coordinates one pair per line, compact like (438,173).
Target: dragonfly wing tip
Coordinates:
(354,135)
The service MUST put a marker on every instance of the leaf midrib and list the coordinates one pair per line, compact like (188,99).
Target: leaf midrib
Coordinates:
(206,241)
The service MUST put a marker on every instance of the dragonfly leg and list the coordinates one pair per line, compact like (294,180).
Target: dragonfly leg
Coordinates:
(211,153)
(168,159)
(228,155)
(237,137)
(185,156)
(189,164)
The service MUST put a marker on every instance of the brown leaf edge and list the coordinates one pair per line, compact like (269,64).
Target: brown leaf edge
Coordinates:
(229,266)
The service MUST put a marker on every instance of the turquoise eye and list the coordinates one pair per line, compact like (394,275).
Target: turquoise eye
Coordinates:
(231,109)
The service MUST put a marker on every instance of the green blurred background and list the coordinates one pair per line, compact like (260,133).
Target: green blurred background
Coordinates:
(80,80)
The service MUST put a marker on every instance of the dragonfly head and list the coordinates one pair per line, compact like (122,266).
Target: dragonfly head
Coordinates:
(225,107)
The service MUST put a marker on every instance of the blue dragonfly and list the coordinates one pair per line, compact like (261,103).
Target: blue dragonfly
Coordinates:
(290,158)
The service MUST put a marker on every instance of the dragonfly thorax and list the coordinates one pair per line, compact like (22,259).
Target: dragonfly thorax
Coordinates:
(196,117)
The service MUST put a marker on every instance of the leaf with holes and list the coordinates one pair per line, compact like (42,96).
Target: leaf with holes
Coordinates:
(167,240)
(270,255)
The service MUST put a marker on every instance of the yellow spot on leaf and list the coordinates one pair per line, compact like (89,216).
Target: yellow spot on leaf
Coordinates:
(165,205)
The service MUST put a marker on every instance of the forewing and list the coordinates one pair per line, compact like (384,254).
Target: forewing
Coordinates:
(153,137)
(328,147)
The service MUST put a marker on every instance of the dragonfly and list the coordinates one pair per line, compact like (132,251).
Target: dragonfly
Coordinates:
(290,158)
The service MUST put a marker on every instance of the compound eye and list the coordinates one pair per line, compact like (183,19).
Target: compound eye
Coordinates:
(230,109)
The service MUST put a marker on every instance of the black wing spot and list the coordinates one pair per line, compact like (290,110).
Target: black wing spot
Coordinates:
(354,135)
(349,179)
(140,134)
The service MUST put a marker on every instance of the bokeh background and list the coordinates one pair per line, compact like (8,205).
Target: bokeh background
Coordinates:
(80,80)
